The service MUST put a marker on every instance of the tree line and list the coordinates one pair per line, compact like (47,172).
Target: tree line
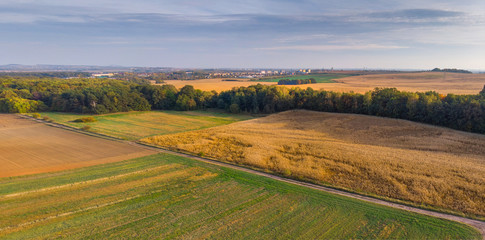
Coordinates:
(47,74)
(99,96)
(296,81)
(452,70)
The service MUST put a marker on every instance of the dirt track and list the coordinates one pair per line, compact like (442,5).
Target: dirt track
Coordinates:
(479,225)
(475,223)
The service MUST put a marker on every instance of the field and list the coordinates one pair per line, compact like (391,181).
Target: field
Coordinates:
(457,83)
(444,83)
(320,78)
(420,164)
(27,147)
(166,196)
(217,84)
(135,125)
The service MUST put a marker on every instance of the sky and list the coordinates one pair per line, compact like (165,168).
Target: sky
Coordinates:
(383,34)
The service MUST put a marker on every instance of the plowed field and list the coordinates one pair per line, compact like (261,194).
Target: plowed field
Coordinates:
(27,147)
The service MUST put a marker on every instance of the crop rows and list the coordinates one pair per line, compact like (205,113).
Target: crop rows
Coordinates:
(165,196)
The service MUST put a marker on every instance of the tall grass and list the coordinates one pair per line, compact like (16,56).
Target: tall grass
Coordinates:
(397,159)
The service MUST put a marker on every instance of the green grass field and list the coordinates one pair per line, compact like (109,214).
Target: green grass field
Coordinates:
(165,197)
(136,125)
(320,78)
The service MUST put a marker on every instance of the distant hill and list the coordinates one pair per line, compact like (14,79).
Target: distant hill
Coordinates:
(78,68)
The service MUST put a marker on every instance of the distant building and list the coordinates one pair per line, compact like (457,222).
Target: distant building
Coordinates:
(305,71)
(102,75)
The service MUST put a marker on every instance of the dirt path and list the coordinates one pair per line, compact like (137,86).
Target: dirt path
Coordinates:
(475,223)
(479,225)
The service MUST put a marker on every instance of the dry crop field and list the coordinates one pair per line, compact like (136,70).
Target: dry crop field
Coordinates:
(444,83)
(426,165)
(216,84)
(28,147)
(457,83)
(135,125)
(169,197)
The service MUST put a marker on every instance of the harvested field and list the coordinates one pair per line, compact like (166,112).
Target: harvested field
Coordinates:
(169,197)
(319,78)
(457,83)
(398,159)
(28,147)
(216,84)
(136,125)
(444,83)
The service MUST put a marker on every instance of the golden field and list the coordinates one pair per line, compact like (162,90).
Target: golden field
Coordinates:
(457,83)
(216,84)
(398,159)
(28,147)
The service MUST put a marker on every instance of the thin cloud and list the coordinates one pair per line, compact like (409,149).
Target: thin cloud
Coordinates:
(33,18)
(332,47)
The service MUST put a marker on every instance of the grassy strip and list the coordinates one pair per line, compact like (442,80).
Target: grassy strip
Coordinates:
(136,125)
(199,200)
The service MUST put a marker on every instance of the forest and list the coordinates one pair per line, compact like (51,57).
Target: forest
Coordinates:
(100,96)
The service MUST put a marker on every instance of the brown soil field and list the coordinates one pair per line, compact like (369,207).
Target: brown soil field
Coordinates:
(398,159)
(457,83)
(28,147)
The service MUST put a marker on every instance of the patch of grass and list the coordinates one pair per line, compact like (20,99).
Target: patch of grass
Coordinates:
(35,115)
(136,125)
(167,196)
(48,119)
(86,128)
(320,78)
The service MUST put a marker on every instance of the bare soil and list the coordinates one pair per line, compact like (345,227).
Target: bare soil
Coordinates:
(28,147)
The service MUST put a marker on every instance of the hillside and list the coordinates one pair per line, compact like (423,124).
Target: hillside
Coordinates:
(398,159)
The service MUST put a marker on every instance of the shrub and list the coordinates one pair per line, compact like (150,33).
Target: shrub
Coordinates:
(86,128)
(35,115)
(85,120)
(48,119)
(234,108)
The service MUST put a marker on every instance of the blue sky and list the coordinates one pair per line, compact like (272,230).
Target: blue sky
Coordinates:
(386,34)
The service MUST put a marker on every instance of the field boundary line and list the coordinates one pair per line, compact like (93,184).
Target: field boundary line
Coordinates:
(478,224)
(85,182)
(73,129)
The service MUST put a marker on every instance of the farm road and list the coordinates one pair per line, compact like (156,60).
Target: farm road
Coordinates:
(479,225)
